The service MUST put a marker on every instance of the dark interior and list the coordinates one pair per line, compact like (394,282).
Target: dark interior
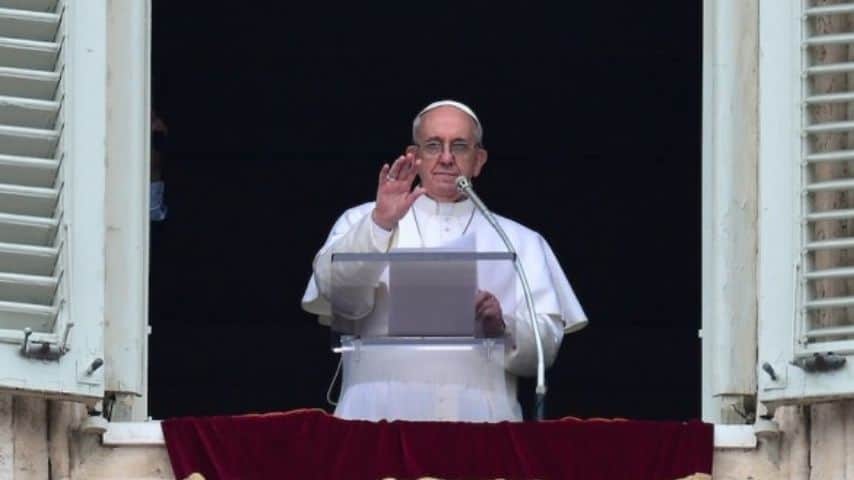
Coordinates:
(280,116)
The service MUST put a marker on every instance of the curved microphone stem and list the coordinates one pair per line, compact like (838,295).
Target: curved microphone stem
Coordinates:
(465,186)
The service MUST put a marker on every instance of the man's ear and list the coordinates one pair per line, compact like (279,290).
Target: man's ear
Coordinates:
(479,161)
(412,149)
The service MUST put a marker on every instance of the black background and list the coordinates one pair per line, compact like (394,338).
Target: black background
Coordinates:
(280,116)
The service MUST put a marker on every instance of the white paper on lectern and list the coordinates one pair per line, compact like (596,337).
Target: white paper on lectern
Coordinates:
(433,298)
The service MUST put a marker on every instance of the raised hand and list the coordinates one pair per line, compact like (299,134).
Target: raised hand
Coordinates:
(394,193)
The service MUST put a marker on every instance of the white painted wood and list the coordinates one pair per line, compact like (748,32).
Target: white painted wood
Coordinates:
(781,293)
(831,156)
(18,316)
(36,289)
(53,183)
(17,82)
(829,9)
(28,142)
(28,24)
(830,215)
(128,165)
(730,55)
(26,200)
(830,68)
(831,39)
(28,112)
(27,259)
(33,5)
(27,229)
(28,54)
(846,184)
(28,171)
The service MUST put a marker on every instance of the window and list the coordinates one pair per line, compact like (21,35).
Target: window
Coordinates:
(805,273)
(56,222)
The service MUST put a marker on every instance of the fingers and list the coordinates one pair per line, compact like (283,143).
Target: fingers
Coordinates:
(404,168)
(384,174)
(482,298)
(491,318)
(396,167)
(409,170)
(489,309)
(479,298)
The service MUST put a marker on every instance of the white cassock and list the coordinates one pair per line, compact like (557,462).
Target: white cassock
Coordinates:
(456,385)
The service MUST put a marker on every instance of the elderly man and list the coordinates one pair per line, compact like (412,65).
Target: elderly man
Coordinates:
(458,385)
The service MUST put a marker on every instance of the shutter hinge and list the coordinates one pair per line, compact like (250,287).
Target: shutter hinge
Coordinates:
(820,362)
(45,350)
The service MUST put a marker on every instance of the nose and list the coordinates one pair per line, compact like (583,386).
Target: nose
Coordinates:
(446,157)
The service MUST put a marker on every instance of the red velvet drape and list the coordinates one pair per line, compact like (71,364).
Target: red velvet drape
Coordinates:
(310,444)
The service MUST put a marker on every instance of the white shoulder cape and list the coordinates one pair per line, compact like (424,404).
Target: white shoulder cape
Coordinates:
(551,290)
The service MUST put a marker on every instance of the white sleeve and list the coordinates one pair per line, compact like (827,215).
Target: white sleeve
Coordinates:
(521,354)
(362,237)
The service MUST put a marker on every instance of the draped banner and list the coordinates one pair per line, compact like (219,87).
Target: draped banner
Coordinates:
(311,444)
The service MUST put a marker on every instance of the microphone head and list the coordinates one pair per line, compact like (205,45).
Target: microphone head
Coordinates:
(463,183)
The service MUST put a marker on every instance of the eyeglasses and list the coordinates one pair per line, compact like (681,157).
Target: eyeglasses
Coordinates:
(434,148)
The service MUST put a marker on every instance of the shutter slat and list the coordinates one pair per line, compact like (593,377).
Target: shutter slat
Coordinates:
(830,215)
(835,243)
(31,5)
(26,112)
(27,230)
(831,185)
(829,10)
(28,54)
(33,289)
(28,24)
(839,155)
(832,39)
(35,201)
(829,127)
(835,302)
(27,259)
(843,272)
(830,98)
(17,316)
(30,132)
(18,82)
(28,142)
(28,171)
(830,331)
(830,68)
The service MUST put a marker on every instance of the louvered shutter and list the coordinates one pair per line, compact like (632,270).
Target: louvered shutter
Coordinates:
(52,135)
(806,217)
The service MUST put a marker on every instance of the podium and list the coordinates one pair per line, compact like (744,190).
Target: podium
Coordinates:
(406,320)
(417,297)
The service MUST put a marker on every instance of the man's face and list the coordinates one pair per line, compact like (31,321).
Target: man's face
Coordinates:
(447,149)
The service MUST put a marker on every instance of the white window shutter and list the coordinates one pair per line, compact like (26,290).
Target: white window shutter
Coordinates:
(52,185)
(806,214)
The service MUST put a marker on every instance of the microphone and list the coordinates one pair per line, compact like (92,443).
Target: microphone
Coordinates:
(464,185)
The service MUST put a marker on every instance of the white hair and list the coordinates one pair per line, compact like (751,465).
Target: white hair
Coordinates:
(478,129)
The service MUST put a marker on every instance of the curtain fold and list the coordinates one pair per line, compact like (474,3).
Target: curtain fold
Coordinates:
(311,444)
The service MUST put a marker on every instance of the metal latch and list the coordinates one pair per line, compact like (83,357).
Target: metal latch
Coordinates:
(43,350)
(820,362)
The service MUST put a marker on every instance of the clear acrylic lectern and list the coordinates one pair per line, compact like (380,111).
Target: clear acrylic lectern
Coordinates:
(418,299)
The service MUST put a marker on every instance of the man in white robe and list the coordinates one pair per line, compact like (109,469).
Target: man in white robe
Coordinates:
(457,385)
